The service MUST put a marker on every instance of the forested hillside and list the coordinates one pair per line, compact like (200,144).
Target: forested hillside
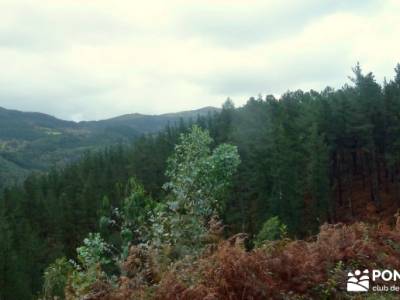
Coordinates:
(152,215)
(37,142)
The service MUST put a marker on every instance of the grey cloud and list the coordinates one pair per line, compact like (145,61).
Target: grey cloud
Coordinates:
(295,73)
(65,96)
(240,28)
(93,62)
(32,28)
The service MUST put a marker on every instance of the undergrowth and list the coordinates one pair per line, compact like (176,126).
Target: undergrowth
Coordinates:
(284,269)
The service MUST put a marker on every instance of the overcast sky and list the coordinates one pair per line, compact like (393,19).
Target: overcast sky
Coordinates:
(94,59)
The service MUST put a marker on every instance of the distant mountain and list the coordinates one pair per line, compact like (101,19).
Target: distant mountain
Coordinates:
(147,123)
(15,124)
(31,141)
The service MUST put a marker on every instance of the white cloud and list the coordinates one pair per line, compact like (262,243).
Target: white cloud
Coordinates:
(96,59)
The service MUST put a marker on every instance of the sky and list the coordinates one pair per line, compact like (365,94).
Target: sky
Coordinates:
(96,59)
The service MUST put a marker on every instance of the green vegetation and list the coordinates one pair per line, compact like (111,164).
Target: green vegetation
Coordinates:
(274,168)
(36,142)
(175,228)
(272,230)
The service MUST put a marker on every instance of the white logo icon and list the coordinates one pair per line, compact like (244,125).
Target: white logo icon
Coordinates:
(358,282)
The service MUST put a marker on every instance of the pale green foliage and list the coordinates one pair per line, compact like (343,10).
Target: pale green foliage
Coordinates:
(55,278)
(94,251)
(199,178)
(273,229)
(185,169)
(181,233)
(91,256)
(130,224)
(79,276)
(137,209)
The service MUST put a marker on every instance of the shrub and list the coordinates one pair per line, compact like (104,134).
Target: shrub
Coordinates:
(271,230)
(55,278)
(88,271)
(286,269)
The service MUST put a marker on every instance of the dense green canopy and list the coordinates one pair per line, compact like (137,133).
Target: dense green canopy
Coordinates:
(303,158)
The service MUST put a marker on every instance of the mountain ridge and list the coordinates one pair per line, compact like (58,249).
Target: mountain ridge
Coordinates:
(201,110)
(34,141)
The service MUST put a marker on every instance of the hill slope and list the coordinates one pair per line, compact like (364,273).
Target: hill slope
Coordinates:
(31,141)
